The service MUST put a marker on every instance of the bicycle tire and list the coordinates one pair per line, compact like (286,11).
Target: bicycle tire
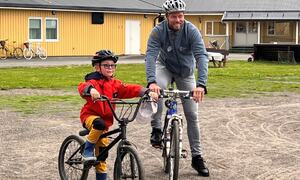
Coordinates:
(174,152)
(3,53)
(27,53)
(70,163)
(135,169)
(42,53)
(18,53)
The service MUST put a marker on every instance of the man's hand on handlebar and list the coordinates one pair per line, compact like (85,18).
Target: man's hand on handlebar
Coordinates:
(198,94)
(153,95)
(155,88)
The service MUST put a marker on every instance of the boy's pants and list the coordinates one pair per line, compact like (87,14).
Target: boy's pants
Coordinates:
(100,143)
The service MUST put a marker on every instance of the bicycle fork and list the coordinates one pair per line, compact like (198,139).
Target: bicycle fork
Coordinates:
(178,118)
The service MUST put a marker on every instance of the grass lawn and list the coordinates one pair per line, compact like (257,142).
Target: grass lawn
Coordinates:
(238,79)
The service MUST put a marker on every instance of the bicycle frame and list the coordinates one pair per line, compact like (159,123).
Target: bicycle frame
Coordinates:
(121,130)
(171,115)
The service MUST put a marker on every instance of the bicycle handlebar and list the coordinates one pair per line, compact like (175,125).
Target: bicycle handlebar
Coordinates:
(175,93)
(110,102)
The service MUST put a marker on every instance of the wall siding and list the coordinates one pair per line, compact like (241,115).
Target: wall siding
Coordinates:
(77,36)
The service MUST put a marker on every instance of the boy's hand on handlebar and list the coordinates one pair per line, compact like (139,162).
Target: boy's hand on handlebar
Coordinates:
(198,94)
(155,88)
(95,94)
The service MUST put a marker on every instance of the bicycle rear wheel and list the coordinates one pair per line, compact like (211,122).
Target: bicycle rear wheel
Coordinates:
(42,53)
(128,165)
(18,53)
(174,152)
(70,163)
(3,53)
(27,53)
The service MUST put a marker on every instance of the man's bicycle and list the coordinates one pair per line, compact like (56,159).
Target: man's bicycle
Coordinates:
(5,51)
(127,163)
(172,132)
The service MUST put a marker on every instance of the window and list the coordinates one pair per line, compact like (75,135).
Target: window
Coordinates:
(51,29)
(35,29)
(215,28)
(241,27)
(208,29)
(278,28)
(252,27)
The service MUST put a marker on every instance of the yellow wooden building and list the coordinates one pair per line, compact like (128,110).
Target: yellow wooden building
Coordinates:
(80,27)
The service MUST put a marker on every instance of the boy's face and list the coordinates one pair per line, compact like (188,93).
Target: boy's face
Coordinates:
(106,68)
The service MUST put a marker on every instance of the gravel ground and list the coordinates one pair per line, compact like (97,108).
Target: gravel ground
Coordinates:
(254,138)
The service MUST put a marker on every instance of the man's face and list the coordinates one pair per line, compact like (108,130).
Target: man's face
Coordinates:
(175,20)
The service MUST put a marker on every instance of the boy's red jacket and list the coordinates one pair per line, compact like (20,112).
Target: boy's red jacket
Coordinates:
(112,88)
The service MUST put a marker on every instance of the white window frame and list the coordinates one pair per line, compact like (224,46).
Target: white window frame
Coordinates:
(57,31)
(35,40)
(212,28)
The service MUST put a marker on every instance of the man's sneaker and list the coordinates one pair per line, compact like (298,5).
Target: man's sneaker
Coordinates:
(156,137)
(199,166)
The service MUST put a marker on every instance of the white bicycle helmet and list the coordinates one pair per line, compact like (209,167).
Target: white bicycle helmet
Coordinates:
(174,5)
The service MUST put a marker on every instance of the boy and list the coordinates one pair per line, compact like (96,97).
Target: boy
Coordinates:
(96,116)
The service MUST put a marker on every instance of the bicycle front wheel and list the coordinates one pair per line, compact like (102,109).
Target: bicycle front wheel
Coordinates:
(70,163)
(128,165)
(3,53)
(27,53)
(18,53)
(174,152)
(42,53)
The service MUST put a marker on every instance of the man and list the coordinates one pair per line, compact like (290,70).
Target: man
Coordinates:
(174,48)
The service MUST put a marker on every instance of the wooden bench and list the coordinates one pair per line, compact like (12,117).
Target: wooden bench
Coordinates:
(220,62)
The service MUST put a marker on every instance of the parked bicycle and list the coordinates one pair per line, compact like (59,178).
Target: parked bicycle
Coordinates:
(5,51)
(29,52)
(127,163)
(172,132)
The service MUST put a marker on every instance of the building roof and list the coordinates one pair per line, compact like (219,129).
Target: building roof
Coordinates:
(154,6)
(248,16)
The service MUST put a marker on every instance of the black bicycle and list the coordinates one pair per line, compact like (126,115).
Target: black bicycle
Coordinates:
(127,163)
(172,132)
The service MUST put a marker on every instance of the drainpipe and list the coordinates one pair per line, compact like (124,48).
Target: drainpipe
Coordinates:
(160,19)
(297,32)
(227,35)
(258,32)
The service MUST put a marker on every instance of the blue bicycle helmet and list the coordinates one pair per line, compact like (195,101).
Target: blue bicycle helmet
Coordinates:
(103,55)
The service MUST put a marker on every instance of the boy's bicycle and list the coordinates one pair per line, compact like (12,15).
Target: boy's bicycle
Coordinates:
(172,132)
(29,52)
(127,163)
(5,50)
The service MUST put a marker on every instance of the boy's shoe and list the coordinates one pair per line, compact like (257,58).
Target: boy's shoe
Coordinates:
(199,165)
(156,137)
(88,153)
(101,176)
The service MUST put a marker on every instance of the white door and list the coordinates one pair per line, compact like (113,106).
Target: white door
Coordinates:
(132,37)
(245,33)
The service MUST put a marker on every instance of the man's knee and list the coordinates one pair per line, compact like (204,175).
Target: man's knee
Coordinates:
(99,124)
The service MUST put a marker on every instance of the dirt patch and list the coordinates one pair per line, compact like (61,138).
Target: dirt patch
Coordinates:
(255,138)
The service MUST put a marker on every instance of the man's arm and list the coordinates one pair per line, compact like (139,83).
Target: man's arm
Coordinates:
(201,58)
(153,48)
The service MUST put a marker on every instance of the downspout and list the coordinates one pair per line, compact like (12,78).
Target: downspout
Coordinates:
(258,32)
(297,32)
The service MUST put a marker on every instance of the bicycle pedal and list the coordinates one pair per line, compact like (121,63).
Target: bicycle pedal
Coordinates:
(184,153)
